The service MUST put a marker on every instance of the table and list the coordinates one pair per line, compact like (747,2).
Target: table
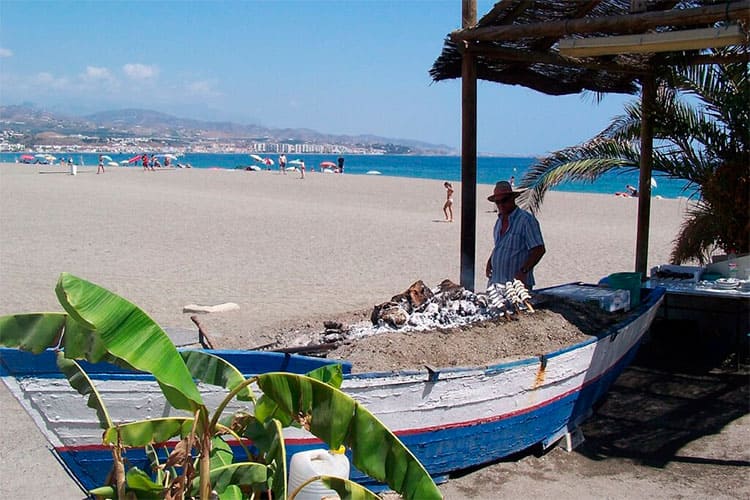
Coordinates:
(716,318)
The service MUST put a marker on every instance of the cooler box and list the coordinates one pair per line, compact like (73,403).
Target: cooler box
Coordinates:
(608,299)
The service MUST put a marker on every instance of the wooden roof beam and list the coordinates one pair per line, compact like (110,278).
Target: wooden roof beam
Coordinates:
(511,56)
(630,23)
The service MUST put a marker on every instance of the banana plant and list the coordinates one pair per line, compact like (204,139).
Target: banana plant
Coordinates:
(98,325)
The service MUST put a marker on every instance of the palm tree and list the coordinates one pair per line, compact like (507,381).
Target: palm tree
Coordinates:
(701,135)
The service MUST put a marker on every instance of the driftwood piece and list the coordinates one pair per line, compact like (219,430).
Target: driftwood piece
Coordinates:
(195,308)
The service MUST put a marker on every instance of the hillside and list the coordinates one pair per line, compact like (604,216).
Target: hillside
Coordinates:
(32,126)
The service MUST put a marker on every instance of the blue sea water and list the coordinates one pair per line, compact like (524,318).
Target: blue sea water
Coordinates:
(447,168)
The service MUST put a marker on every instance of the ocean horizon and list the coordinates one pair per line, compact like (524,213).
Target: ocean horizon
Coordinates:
(490,169)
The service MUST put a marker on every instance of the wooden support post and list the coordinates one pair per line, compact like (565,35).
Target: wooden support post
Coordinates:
(648,97)
(468,153)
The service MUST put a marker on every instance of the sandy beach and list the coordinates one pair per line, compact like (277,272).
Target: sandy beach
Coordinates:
(286,251)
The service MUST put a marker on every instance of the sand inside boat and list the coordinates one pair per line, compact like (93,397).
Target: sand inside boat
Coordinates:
(556,323)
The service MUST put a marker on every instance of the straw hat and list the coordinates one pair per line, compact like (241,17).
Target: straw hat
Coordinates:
(504,188)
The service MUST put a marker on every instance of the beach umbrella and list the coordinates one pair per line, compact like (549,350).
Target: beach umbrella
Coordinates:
(257,158)
(268,161)
(653,183)
(296,162)
(106,158)
(27,158)
(41,156)
(327,164)
(166,155)
(134,159)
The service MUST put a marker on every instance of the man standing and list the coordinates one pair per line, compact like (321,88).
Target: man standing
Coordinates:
(341,164)
(518,239)
(282,163)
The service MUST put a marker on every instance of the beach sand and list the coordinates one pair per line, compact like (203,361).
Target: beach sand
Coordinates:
(286,251)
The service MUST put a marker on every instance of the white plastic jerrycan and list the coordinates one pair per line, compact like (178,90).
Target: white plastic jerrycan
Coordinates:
(307,464)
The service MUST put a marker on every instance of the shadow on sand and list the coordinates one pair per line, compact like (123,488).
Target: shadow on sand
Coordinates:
(681,387)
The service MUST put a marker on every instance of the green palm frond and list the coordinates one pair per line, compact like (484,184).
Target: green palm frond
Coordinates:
(701,125)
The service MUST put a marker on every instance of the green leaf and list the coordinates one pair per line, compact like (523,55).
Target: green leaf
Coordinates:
(247,474)
(33,332)
(347,489)
(221,453)
(336,418)
(332,375)
(265,408)
(81,342)
(213,370)
(233,492)
(140,482)
(82,383)
(104,492)
(276,455)
(145,432)
(130,334)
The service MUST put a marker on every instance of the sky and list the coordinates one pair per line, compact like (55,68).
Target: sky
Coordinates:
(338,67)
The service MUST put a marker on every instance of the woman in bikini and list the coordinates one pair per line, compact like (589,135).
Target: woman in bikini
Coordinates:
(448,206)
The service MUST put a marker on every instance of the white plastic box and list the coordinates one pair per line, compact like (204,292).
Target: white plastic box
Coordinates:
(608,299)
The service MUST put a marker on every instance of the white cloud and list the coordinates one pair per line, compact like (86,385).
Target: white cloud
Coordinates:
(140,71)
(202,88)
(96,73)
(5,52)
(49,81)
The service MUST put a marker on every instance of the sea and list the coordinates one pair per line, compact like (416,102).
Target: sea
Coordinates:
(490,169)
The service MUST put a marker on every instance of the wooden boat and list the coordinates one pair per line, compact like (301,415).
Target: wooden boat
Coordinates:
(451,419)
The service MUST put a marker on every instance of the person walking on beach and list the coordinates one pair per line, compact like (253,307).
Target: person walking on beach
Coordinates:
(340,162)
(100,167)
(145,162)
(448,206)
(282,163)
(302,169)
(519,245)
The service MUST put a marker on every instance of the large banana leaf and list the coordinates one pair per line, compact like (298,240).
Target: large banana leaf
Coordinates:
(130,334)
(85,387)
(80,342)
(221,453)
(266,408)
(336,418)
(276,455)
(33,332)
(145,432)
(213,370)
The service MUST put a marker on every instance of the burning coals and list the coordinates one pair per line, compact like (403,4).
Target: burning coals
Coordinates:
(420,308)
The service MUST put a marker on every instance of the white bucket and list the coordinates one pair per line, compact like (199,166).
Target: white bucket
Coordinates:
(307,464)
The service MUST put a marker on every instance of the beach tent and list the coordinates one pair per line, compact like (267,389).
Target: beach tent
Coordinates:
(561,47)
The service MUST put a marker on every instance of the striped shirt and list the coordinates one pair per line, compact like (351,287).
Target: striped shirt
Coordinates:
(512,248)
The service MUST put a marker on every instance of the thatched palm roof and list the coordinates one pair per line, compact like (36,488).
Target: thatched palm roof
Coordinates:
(517,41)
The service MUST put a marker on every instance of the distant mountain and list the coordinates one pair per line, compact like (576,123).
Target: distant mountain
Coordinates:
(28,119)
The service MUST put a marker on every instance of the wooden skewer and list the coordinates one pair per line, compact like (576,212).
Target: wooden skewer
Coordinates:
(527,303)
